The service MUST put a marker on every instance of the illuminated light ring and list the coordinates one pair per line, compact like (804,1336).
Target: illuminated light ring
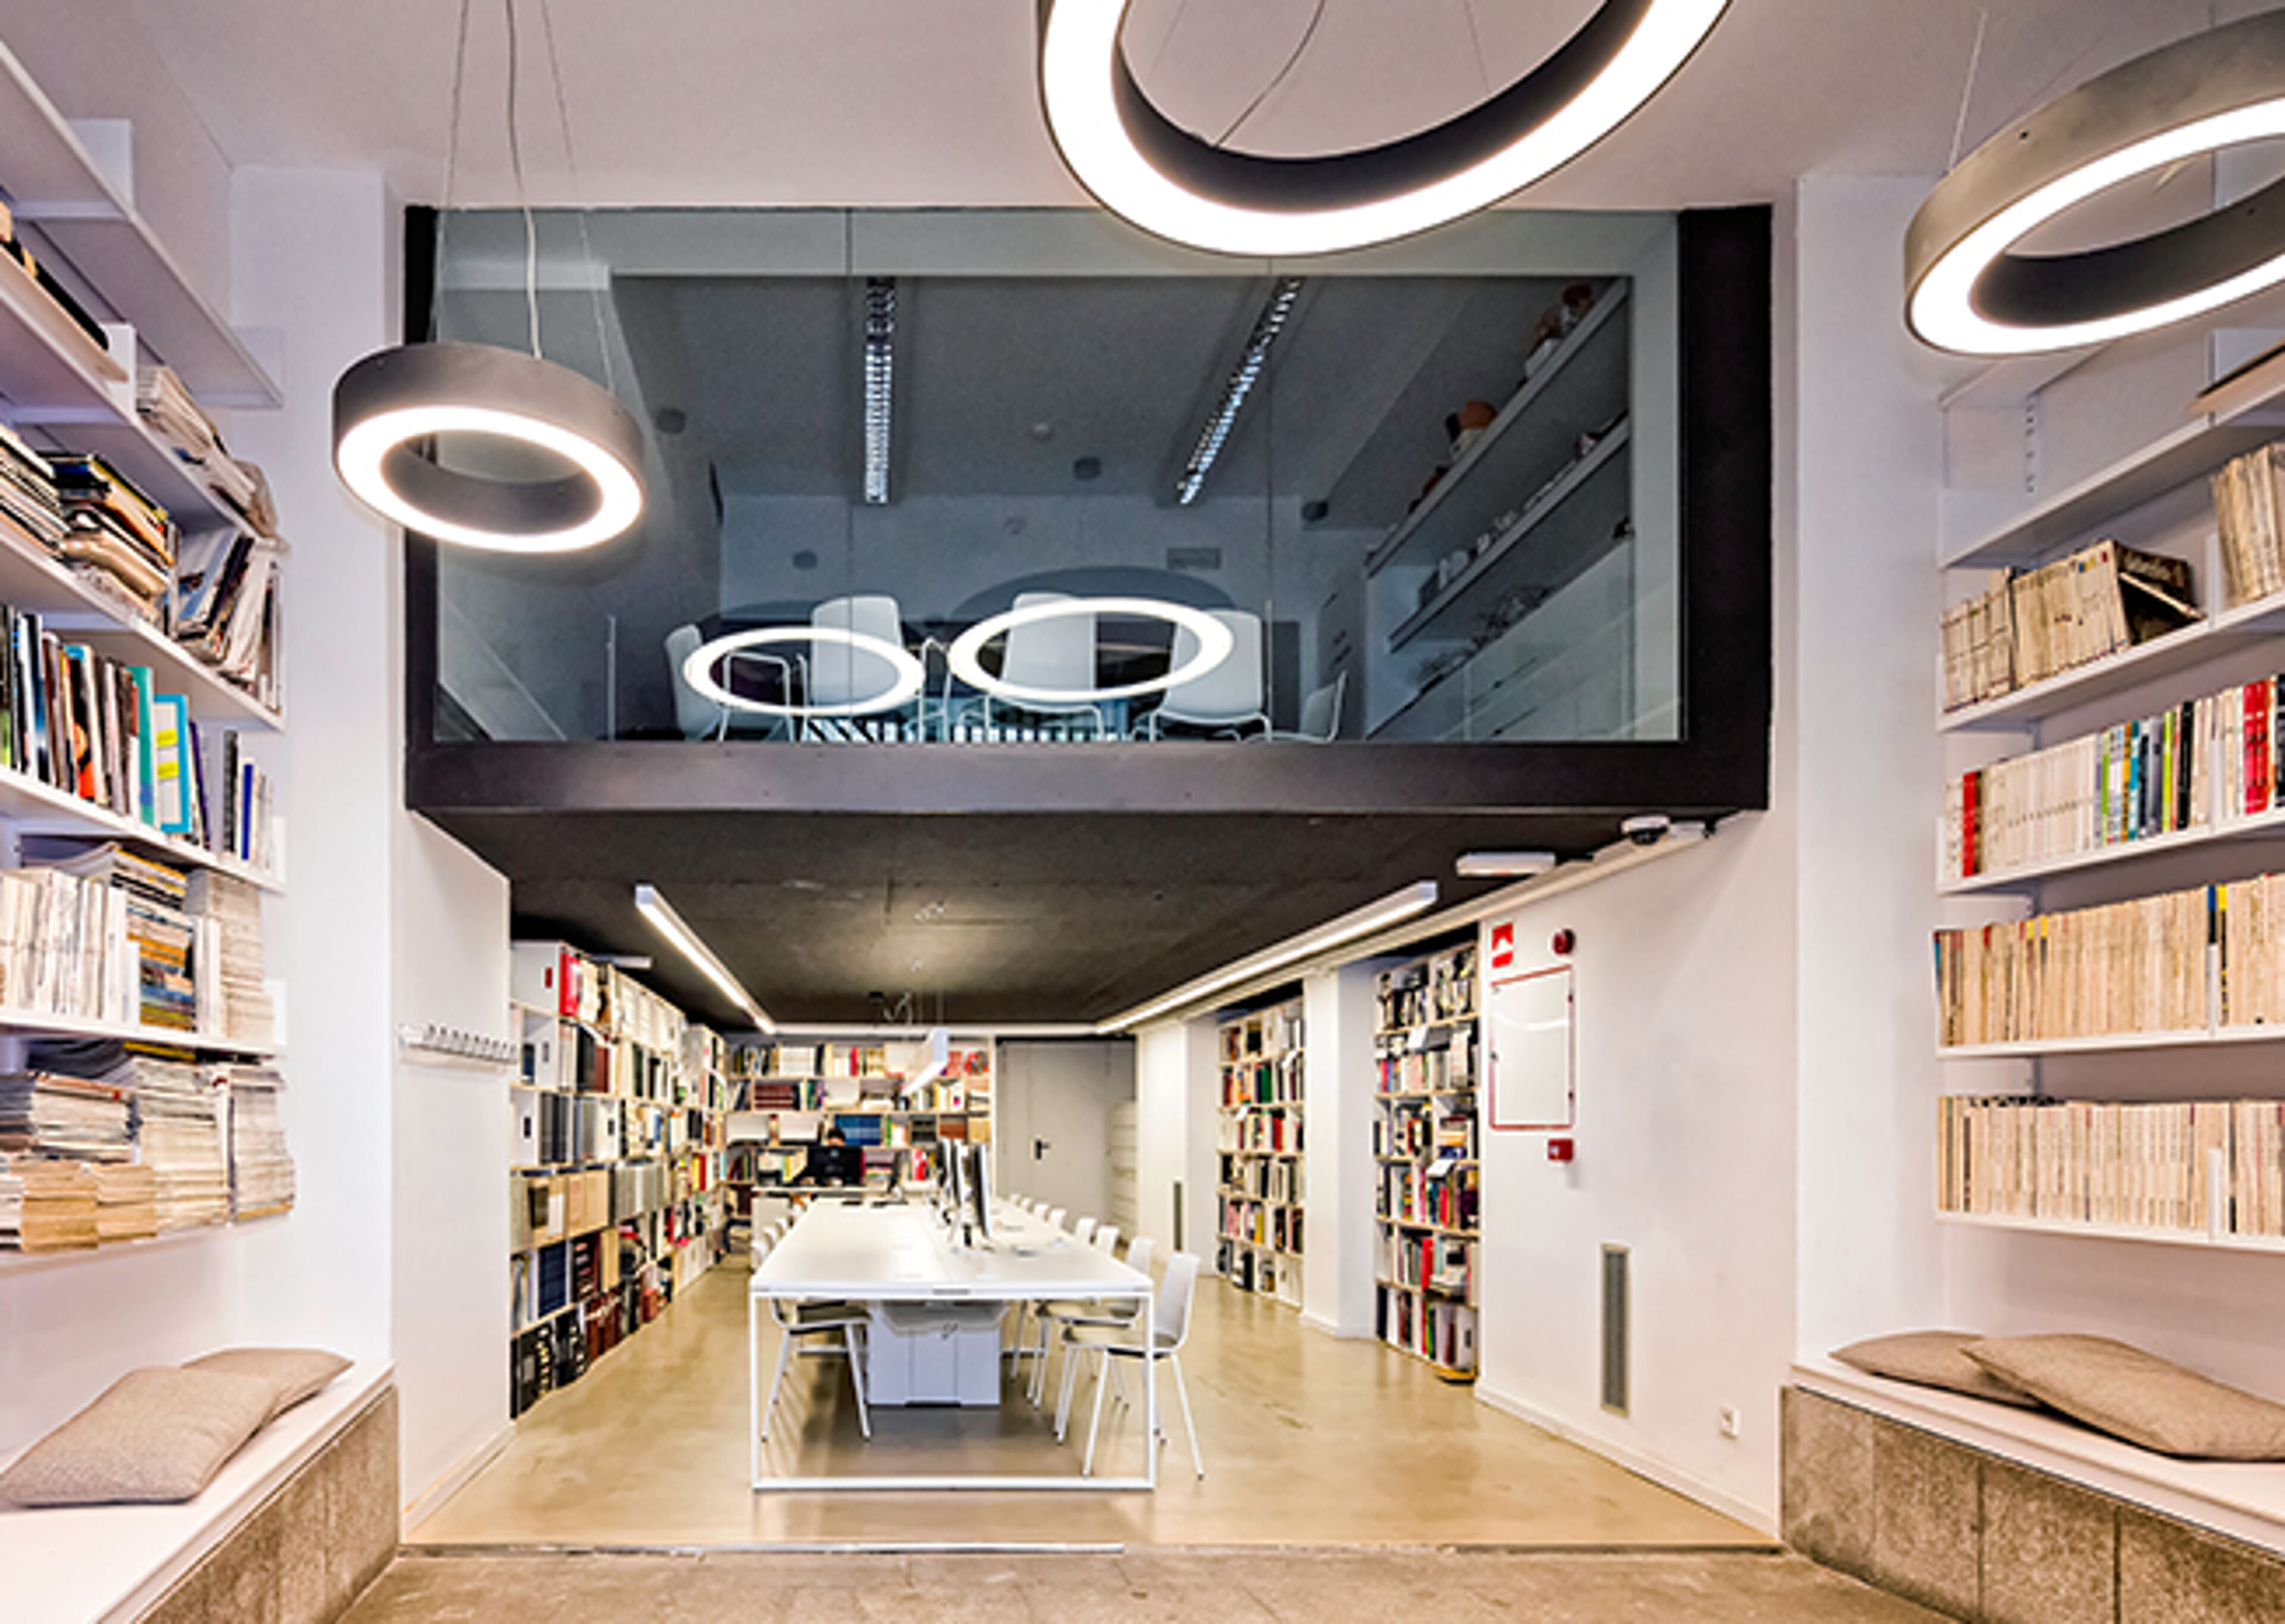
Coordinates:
(698,669)
(1141,166)
(391,401)
(1214,644)
(1969,293)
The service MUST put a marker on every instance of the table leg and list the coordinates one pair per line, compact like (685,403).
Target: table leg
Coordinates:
(753,1389)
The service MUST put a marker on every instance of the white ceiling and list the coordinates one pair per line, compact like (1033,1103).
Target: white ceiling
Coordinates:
(890,102)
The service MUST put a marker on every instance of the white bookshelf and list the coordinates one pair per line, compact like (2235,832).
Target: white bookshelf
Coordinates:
(1261,1236)
(1426,1063)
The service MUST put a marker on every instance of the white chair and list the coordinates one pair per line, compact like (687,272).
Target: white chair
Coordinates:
(1057,654)
(802,1321)
(696,717)
(845,674)
(1106,1239)
(1083,1231)
(1225,699)
(1055,1217)
(1059,1316)
(1170,1328)
(1321,715)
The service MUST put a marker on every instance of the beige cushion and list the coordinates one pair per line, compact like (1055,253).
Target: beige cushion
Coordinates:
(2138,1397)
(296,1373)
(1933,1359)
(154,1435)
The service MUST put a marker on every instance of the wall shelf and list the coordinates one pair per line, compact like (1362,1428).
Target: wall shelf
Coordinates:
(2268,1244)
(58,187)
(2118,1042)
(34,1024)
(1421,536)
(1587,526)
(2027,876)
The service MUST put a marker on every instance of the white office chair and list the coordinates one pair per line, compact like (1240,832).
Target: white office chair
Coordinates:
(1226,699)
(1056,655)
(1083,1231)
(1321,715)
(843,674)
(1170,1328)
(1106,1239)
(1055,1217)
(696,717)
(1061,1315)
(801,1321)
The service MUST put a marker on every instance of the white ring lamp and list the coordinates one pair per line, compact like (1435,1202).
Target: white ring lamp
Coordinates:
(1143,167)
(1971,293)
(387,405)
(966,655)
(698,669)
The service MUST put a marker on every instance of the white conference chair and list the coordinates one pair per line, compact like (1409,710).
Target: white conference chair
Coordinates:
(1321,715)
(1227,698)
(695,716)
(1055,655)
(1055,1217)
(1170,1328)
(801,1322)
(1106,1239)
(843,674)
(1083,1231)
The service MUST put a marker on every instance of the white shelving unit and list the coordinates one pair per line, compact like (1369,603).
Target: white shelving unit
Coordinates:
(1261,1186)
(1426,1146)
(64,391)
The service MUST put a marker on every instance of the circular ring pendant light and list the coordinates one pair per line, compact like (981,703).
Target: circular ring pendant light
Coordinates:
(390,406)
(966,656)
(909,675)
(1971,292)
(1143,167)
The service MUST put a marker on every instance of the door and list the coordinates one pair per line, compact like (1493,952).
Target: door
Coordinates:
(1053,1136)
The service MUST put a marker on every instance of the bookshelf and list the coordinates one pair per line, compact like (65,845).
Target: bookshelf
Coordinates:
(2157,760)
(1428,1179)
(617,1187)
(1260,1152)
(164,962)
(787,1094)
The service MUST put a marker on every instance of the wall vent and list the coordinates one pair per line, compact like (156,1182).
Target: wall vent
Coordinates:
(1615,1330)
(1178,1215)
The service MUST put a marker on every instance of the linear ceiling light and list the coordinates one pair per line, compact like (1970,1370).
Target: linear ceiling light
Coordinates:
(685,941)
(1972,293)
(390,407)
(880,383)
(1390,909)
(1143,165)
(966,656)
(1503,864)
(1243,377)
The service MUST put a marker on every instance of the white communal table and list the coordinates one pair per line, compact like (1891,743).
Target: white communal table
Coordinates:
(903,1253)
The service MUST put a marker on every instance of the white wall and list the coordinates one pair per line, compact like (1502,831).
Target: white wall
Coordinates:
(1338,1085)
(1062,1093)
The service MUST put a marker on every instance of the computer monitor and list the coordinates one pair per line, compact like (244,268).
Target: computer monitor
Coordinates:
(836,1164)
(977,1174)
(955,1193)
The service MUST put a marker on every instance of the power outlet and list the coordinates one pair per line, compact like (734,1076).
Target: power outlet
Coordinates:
(1731,1423)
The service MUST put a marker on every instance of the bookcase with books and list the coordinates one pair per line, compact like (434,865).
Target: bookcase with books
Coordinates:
(1427,1172)
(2111,715)
(617,1190)
(140,592)
(887,1096)
(1260,1151)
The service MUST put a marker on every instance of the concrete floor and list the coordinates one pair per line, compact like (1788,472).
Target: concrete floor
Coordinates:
(1309,1441)
(1145,1586)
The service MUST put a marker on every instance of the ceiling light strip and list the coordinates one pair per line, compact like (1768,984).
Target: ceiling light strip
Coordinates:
(1215,434)
(1972,294)
(1141,165)
(880,383)
(685,941)
(1390,910)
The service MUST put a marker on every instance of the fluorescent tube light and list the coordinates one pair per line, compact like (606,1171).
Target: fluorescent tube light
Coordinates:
(685,941)
(1243,377)
(1398,906)
(1503,864)
(880,383)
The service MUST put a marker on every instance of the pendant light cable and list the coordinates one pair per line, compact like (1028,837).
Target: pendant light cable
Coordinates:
(1283,73)
(451,174)
(579,192)
(1476,38)
(522,194)
(1967,90)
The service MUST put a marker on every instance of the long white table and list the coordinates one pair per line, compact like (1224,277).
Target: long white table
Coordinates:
(903,1253)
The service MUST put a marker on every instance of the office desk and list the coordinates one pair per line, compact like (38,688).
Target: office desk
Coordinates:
(903,1253)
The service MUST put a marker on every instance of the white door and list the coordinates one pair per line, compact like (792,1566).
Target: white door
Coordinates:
(1053,1132)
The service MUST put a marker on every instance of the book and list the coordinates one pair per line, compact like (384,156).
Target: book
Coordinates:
(2022,629)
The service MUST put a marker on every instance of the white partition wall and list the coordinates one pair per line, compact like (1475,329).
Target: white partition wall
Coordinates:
(1337,1274)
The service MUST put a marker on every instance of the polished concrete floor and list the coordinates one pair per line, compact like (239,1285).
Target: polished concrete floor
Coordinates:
(1142,1587)
(1308,1441)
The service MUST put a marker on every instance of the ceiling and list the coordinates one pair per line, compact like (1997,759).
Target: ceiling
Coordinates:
(991,919)
(900,102)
